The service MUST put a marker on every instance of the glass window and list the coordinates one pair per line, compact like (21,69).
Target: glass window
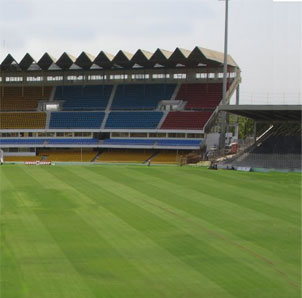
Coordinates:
(119,77)
(140,76)
(160,76)
(176,135)
(178,76)
(195,135)
(157,135)
(120,134)
(138,135)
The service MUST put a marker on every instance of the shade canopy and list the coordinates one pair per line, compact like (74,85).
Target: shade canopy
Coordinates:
(141,58)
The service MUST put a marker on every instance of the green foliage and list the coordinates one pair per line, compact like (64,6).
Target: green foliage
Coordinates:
(246,127)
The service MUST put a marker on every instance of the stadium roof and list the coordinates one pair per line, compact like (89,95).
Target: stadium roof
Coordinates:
(160,58)
(45,62)
(275,113)
(85,60)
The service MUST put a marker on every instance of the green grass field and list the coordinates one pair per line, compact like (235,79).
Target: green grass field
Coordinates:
(159,231)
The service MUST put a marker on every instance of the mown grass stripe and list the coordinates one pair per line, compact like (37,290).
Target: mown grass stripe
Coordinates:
(96,192)
(164,271)
(83,247)
(166,197)
(150,219)
(44,269)
(88,208)
(214,211)
(274,182)
(230,193)
(154,242)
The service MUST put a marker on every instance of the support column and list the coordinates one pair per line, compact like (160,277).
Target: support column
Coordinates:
(224,100)
(255,131)
(236,116)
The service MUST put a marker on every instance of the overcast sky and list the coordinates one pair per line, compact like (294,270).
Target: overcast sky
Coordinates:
(265,37)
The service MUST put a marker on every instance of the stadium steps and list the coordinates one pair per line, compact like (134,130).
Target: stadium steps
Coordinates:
(151,157)
(43,157)
(107,111)
(173,97)
(105,119)
(112,95)
(52,94)
(97,156)
(48,114)
(162,119)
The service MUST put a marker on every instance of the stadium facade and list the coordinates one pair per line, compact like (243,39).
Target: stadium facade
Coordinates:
(161,102)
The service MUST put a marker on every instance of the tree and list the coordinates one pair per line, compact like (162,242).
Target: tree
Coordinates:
(246,127)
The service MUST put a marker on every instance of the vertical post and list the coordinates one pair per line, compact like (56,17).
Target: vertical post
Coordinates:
(236,116)
(225,65)
(255,132)
(224,87)
(237,95)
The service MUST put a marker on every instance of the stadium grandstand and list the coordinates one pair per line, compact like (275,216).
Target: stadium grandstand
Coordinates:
(129,107)
(277,137)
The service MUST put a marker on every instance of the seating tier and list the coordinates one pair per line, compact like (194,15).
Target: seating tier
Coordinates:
(134,120)
(26,99)
(200,96)
(186,120)
(166,158)
(69,155)
(22,158)
(153,142)
(141,97)
(124,156)
(175,143)
(58,141)
(22,120)
(74,120)
(84,98)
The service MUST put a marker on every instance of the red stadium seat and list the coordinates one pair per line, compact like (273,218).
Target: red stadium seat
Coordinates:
(186,120)
(200,96)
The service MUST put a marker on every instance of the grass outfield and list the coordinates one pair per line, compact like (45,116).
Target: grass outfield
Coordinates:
(142,232)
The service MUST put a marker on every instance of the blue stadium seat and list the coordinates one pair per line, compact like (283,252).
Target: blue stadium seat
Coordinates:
(135,120)
(79,141)
(58,141)
(28,141)
(178,143)
(127,142)
(155,142)
(84,98)
(85,120)
(141,97)
(72,141)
